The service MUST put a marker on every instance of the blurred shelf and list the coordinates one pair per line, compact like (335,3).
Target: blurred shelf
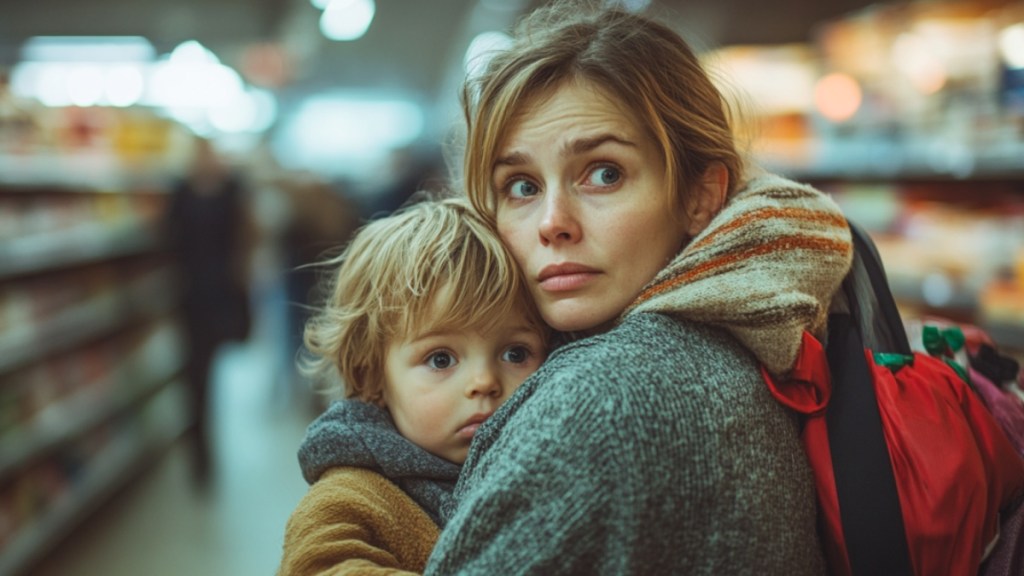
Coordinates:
(97,316)
(1005,334)
(82,245)
(127,456)
(954,298)
(879,161)
(107,322)
(59,424)
(81,172)
(131,383)
(961,304)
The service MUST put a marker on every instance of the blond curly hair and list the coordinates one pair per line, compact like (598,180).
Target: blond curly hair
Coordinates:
(388,280)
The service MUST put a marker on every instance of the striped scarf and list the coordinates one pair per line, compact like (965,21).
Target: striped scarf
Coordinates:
(765,269)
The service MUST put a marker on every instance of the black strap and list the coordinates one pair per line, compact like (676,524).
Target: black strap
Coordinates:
(890,314)
(869,505)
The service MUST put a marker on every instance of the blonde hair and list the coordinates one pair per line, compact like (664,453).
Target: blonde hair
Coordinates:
(643,64)
(387,281)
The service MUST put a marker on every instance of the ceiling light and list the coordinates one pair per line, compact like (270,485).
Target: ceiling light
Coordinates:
(87,49)
(838,96)
(347,19)
(1011,44)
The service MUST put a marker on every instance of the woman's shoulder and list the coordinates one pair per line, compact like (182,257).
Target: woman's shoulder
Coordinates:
(672,382)
(658,367)
(650,342)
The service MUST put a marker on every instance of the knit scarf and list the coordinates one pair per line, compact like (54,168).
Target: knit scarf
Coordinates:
(765,269)
(363,435)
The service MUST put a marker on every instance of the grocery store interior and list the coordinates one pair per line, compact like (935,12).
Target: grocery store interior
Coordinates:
(316,115)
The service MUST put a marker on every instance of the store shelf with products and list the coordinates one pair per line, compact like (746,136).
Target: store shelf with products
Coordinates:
(44,504)
(912,115)
(45,227)
(951,248)
(149,358)
(91,355)
(78,246)
(93,302)
(87,170)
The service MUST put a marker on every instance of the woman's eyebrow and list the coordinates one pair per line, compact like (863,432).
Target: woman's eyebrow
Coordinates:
(584,145)
(573,147)
(513,159)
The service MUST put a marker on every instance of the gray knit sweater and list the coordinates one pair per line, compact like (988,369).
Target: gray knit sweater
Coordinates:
(655,447)
(651,449)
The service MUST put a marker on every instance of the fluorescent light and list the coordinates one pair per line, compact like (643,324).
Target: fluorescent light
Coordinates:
(85,84)
(1011,44)
(87,49)
(124,85)
(345,133)
(347,19)
(52,85)
(838,96)
(253,111)
(192,52)
(175,83)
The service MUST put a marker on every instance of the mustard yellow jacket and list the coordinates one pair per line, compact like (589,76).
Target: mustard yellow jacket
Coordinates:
(354,521)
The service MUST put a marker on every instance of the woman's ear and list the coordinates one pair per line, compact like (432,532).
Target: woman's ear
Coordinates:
(707,199)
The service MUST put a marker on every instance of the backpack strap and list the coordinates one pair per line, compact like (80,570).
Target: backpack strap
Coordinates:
(885,315)
(869,504)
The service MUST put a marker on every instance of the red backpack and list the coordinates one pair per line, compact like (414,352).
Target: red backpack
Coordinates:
(911,469)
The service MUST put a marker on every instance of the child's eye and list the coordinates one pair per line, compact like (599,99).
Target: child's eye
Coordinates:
(516,354)
(604,176)
(521,188)
(441,360)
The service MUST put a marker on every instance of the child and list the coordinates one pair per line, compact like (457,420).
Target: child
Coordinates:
(429,326)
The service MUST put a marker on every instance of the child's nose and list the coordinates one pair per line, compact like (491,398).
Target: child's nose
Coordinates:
(485,382)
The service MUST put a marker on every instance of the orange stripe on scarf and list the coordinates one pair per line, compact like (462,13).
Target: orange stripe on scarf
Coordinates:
(809,215)
(785,243)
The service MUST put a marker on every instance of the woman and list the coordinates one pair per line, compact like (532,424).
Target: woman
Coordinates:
(647,444)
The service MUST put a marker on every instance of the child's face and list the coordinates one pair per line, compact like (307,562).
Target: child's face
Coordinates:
(440,385)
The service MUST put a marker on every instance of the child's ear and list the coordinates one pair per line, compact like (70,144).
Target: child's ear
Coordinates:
(707,198)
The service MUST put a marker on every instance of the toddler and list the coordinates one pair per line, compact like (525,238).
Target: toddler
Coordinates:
(430,328)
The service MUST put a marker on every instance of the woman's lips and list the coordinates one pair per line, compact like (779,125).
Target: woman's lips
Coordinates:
(565,277)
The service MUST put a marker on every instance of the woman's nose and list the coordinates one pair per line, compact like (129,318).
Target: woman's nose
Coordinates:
(559,222)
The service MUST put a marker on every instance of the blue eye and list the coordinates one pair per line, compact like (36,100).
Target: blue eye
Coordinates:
(604,176)
(522,188)
(441,360)
(516,354)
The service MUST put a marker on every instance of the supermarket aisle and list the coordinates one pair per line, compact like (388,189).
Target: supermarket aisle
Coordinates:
(161,526)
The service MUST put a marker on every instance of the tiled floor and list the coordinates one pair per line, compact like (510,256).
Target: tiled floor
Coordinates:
(160,525)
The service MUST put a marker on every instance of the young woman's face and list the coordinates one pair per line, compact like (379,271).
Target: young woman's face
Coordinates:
(582,204)
(441,384)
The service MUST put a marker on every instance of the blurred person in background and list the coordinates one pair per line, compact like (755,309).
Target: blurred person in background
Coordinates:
(208,229)
(321,219)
